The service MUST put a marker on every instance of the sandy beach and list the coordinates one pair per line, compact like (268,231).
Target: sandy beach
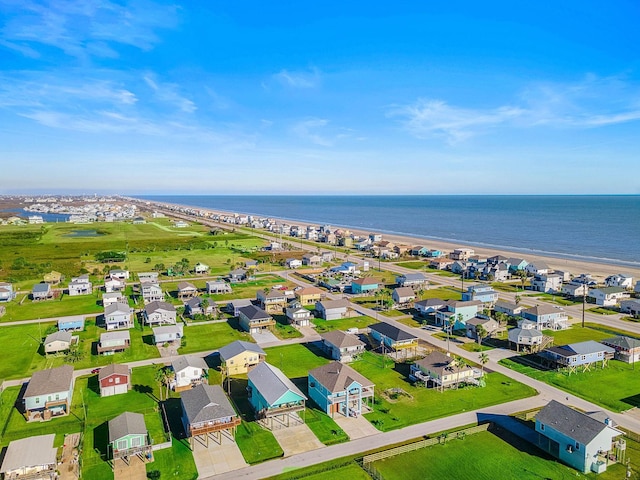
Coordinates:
(598,270)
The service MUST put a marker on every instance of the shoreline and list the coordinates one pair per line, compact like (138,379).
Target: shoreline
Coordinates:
(563,262)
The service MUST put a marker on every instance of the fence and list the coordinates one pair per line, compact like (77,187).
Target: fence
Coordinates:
(628,433)
(367,459)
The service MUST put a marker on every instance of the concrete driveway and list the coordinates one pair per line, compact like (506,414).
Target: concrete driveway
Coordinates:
(264,337)
(296,439)
(355,427)
(218,458)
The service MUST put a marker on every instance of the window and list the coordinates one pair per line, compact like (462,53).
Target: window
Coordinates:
(577,446)
(117,379)
(121,445)
(136,441)
(37,399)
(542,426)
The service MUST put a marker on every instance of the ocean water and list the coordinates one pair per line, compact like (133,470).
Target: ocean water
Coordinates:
(601,228)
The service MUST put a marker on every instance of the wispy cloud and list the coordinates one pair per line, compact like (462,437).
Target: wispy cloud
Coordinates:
(298,79)
(310,130)
(86,28)
(593,102)
(169,93)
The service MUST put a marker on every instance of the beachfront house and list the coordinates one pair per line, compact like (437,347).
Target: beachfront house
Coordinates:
(516,264)
(627,348)
(574,290)
(206,411)
(574,355)
(49,393)
(578,439)
(537,268)
(341,346)
(546,317)
(338,388)
(254,320)
(240,357)
(332,309)
(159,313)
(80,286)
(619,280)
(33,457)
(608,296)
(441,371)
(455,313)
(481,293)
(114,379)
(273,396)
(462,254)
(118,316)
(113,342)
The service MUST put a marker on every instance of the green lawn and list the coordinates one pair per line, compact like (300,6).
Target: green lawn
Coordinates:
(342,323)
(426,403)
(175,462)
(614,387)
(64,306)
(324,427)
(211,336)
(296,360)
(446,293)
(576,334)
(474,347)
(257,444)
(558,299)
(414,265)
(482,456)
(283,329)
(602,311)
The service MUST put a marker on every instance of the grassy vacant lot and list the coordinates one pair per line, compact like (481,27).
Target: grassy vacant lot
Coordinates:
(175,462)
(250,288)
(558,299)
(63,306)
(414,264)
(211,336)
(296,360)
(481,456)
(576,334)
(20,344)
(446,293)
(29,251)
(614,387)
(423,404)
(342,323)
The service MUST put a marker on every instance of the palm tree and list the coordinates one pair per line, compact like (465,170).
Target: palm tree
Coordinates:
(518,299)
(461,363)
(204,303)
(160,377)
(481,332)
(484,359)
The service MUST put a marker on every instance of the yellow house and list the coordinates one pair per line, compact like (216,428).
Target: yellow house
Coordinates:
(309,295)
(53,277)
(240,357)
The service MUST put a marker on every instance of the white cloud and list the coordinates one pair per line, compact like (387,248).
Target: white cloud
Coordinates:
(169,93)
(298,79)
(84,29)
(593,102)
(308,130)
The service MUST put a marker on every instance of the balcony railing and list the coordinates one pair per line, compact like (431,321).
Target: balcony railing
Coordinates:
(214,427)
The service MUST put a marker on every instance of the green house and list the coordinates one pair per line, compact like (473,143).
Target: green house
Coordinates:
(128,436)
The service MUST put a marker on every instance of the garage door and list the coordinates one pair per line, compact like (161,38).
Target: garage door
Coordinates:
(108,391)
(122,388)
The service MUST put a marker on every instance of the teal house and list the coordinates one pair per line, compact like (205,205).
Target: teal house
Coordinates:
(364,285)
(128,436)
(273,396)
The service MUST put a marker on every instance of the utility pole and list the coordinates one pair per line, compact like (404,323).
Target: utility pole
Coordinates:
(584,302)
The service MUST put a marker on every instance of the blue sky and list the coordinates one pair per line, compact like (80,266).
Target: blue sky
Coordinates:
(250,97)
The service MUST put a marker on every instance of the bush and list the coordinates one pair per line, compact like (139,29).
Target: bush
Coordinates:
(154,474)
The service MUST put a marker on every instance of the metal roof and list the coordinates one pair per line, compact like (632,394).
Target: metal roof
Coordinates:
(392,332)
(272,383)
(30,452)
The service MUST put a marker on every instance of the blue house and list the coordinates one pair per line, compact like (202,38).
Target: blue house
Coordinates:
(582,354)
(516,264)
(75,323)
(435,253)
(582,441)
(481,293)
(338,388)
(457,313)
(273,396)
(364,285)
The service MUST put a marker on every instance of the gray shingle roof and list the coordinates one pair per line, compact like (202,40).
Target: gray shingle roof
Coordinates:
(437,362)
(330,304)
(272,383)
(41,288)
(542,310)
(576,425)
(117,307)
(626,343)
(235,348)
(341,339)
(336,377)
(153,306)
(125,424)
(392,332)
(52,380)
(185,361)
(60,336)
(113,369)
(254,313)
(110,336)
(205,403)
(30,452)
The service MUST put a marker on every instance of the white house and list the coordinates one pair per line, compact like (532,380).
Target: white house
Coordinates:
(608,296)
(189,372)
(619,280)
(80,286)
(160,313)
(293,263)
(547,283)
